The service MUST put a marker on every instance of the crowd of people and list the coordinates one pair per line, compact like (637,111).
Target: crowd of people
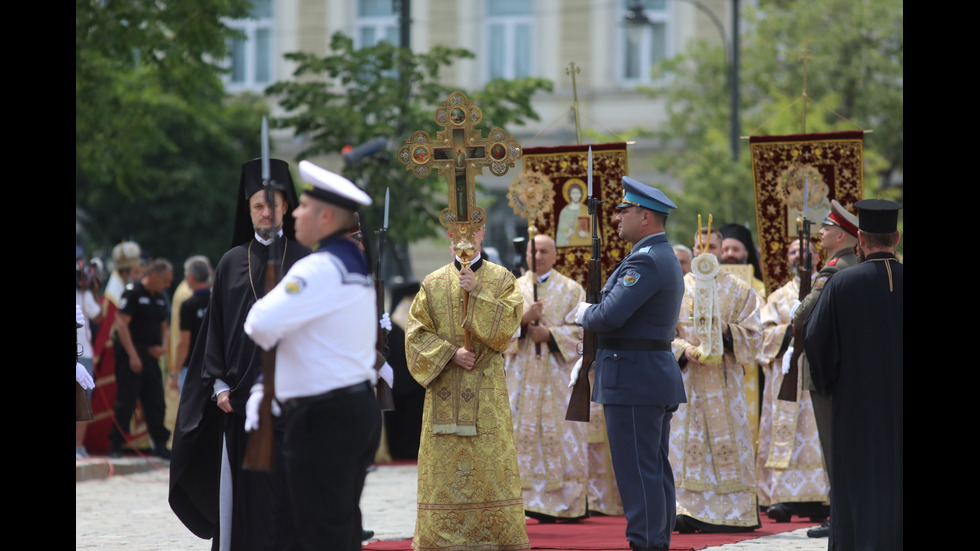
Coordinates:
(691,359)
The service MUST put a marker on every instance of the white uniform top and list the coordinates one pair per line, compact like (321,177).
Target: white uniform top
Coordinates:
(322,318)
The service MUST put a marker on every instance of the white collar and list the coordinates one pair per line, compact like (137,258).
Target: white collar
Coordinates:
(472,260)
(266,242)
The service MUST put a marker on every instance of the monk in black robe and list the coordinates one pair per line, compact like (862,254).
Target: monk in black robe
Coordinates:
(854,340)
(223,367)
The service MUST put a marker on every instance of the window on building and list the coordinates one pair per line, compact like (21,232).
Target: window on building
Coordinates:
(509,29)
(251,56)
(377,20)
(645,45)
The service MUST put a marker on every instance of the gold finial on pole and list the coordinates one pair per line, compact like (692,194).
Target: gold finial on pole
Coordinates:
(532,230)
(701,233)
(465,250)
(572,69)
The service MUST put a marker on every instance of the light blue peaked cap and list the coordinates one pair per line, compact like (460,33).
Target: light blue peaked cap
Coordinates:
(636,194)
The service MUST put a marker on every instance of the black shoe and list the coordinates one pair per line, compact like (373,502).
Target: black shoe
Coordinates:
(779,512)
(366,534)
(682,525)
(687,525)
(162,452)
(635,547)
(115,451)
(540,517)
(822,531)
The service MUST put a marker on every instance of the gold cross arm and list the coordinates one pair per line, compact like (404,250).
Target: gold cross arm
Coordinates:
(459,152)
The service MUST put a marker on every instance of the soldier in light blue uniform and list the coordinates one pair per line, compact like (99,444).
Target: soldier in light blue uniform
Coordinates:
(637,378)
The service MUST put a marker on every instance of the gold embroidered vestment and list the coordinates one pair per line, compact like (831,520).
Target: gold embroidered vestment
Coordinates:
(711,448)
(552,453)
(469,488)
(790,462)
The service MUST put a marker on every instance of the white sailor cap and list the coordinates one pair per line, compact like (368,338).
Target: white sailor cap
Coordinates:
(332,188)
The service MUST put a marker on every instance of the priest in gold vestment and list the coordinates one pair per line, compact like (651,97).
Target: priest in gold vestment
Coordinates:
(469,487)
(711,446)
(552,453)
(789,462)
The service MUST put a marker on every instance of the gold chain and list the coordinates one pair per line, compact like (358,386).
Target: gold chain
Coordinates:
(285,244)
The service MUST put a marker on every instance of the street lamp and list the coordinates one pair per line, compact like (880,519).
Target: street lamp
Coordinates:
(636,19)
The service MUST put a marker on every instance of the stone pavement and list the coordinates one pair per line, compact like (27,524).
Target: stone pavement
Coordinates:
(122,504)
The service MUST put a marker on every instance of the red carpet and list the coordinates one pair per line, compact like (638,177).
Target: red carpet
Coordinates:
(601,533)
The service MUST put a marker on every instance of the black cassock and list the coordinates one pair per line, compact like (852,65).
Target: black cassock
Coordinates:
(403,425)
(854,342)
(260,510)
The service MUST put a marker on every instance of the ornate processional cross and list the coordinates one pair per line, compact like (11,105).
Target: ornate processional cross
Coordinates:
(459,153)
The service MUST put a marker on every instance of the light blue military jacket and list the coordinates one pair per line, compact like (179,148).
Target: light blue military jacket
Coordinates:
(641,300)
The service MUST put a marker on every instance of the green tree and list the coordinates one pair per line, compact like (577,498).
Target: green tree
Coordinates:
(854,79)
(158,144)
(351,96)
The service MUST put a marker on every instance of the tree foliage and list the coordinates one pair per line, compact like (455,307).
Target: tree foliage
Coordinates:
(158,145)
(351,96)
(854,80)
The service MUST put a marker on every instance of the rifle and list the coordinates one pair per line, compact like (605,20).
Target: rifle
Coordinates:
(787,390)
(260,449)
(520,252)
(580,401)
(385,397)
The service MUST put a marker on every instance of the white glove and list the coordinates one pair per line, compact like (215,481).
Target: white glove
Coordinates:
(580,312)
(573,378)
(252,408)
(385,322)
(787,358)
(79,316)
(387,374)
(83,378)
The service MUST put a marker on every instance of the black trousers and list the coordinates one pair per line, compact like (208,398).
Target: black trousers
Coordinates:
(147,387)
(327,447)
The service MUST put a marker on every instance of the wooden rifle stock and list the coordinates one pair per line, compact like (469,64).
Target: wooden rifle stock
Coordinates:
(260,449)
(385,397)
(581,399)
(787,390)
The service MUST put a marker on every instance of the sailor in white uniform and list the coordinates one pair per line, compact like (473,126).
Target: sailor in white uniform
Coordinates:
(321,319)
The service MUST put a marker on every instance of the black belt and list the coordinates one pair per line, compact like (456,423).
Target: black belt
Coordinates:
(294,403)
(613,343)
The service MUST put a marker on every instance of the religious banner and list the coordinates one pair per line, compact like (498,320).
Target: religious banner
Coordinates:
(565,168)
(793,170)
